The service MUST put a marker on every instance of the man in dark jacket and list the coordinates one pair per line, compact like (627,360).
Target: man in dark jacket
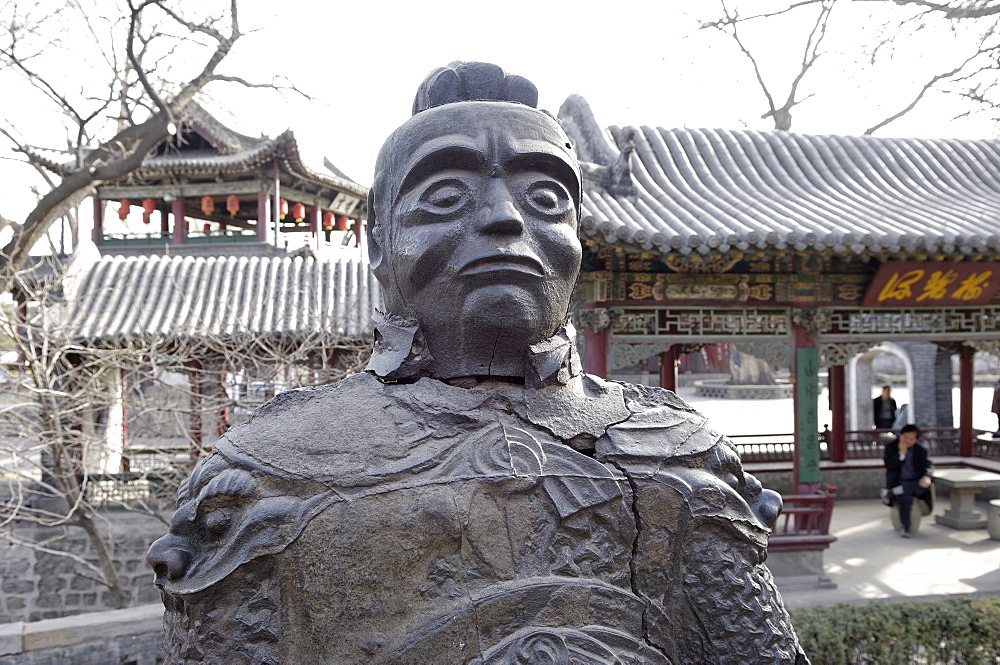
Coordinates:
(884,409)
(907,473)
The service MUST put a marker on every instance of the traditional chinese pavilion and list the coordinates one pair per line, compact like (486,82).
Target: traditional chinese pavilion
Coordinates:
(227,258)
(808,251)
(210,185)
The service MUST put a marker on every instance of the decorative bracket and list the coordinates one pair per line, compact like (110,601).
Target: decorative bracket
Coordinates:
(811,320)
(596,318)
(841,353)
(627,355)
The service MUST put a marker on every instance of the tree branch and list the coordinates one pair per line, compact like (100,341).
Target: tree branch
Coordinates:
(920,94)
(960,11)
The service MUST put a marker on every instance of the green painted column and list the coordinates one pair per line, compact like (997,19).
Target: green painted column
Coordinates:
(807,419)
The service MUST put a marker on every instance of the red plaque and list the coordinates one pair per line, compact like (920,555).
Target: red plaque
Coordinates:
(933,284)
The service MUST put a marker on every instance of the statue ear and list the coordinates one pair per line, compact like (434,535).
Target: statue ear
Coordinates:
(374,233)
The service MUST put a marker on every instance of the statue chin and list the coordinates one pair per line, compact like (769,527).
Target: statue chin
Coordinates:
(495,326)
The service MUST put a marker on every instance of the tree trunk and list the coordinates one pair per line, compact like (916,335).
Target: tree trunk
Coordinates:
(104,560)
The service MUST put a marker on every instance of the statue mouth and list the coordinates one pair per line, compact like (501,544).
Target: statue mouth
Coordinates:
(504,263)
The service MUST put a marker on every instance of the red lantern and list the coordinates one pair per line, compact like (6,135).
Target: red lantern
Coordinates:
(148,206)
(123,209)
(282,208)
(207,205)
(298,212)
(342,223)
(233,204)
(327,221)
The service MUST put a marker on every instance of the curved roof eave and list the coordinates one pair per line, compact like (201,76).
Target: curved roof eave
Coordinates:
(711,190)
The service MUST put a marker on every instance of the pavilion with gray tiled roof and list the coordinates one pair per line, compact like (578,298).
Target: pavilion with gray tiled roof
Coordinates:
(713,190)
(235,300)
(239,327)
(807,251)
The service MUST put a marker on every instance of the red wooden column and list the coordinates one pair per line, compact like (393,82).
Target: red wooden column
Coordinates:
(177,211)
(668,368)
(358,230)
(596,343)
(966,381)
(262,216)
(313,213)
(164,223)
(838,434)
(276,206)
(98,231)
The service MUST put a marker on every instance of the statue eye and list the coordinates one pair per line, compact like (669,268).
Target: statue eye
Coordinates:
(549,198)
(218,521)
(446,197)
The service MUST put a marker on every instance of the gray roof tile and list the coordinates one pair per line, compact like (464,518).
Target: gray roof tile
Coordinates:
(184,298)
(710,190)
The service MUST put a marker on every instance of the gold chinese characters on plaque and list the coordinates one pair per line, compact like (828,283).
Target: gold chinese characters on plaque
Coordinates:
(927,284)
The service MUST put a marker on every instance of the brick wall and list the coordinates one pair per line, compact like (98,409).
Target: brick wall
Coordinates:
(38,585)
(120,637)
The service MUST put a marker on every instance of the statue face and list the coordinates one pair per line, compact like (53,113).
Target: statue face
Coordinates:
(480,230)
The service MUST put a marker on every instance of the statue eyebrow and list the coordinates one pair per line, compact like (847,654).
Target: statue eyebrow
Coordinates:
(451,157)
(542,162)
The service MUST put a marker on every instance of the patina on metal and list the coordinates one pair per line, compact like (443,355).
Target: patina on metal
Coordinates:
(473,497)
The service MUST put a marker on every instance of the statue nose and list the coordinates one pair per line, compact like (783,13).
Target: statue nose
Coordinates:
(498,214)
(168,558)
(768,507)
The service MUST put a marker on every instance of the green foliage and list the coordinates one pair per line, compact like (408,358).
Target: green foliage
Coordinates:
(962,631)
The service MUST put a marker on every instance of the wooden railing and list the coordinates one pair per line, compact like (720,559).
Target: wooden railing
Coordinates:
(860,444)
(149,477)
(765,447)
(870,444)
(131,489)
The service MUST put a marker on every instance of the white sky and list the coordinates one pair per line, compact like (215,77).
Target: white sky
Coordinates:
(635,62)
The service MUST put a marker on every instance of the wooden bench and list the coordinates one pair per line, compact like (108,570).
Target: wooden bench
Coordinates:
(801,533)
(804,523)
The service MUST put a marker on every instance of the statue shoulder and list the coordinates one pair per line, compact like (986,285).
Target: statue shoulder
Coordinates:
(301,427)
(640,398)
(660,426)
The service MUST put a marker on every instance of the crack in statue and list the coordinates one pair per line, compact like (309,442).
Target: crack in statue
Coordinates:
(473,497)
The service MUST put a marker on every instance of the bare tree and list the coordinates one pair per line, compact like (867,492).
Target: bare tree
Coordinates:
(137,59)
(91,426)
(730,22)
(970,74)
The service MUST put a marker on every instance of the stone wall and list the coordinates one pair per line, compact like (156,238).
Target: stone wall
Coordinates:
(931,405)
(119,637)
(38,585)
(854,483)
(944,415)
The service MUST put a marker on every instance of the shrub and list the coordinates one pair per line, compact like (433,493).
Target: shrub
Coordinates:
(962,631)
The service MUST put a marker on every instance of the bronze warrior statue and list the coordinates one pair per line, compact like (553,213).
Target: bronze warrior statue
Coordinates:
(473,497)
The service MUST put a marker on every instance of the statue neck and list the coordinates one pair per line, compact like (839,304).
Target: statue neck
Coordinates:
(456,354)
(403,352)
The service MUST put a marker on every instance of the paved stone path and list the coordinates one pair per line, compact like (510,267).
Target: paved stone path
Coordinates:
(871,561)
